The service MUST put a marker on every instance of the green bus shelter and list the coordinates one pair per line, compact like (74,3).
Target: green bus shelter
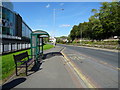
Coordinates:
(37,43)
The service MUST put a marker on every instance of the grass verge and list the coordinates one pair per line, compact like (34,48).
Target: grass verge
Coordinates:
(100,44)
(8,65)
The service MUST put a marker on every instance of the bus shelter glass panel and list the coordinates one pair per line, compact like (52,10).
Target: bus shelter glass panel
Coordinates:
(33,46)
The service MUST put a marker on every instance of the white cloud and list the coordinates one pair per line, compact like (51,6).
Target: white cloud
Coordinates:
(48,6)
(65,25)
(61,4)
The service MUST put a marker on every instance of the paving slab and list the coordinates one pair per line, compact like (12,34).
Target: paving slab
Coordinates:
(50,74)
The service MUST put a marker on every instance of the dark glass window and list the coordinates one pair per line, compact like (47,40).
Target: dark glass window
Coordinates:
(8,22)
(25,31)
(5,30)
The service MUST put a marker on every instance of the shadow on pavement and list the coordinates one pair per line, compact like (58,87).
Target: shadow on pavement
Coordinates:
(51,54)
(36,67)
(13,83)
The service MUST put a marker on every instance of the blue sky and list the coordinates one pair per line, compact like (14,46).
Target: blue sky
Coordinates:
(39,15)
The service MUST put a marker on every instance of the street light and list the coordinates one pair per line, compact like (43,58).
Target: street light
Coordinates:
(81,37)
(54,17)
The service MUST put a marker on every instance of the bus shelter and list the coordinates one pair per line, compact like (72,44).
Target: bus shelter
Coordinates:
(37,44)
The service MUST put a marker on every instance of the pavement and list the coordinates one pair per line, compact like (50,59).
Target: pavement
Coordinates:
(53,72)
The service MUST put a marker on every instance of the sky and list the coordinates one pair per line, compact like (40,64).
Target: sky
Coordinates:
(58,22)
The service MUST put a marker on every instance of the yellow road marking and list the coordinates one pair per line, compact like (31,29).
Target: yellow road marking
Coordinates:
(86,81)
(118,68)
(103,62)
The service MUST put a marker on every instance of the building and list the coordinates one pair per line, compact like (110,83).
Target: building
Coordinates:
(14,32)
(8,5)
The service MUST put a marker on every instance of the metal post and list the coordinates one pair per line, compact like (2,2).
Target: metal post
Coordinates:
(81,37)
(36,56)
(42,45)
(39,44)
(17,46)
(31,45)
(3,47)
(25,46)
(54,22)
(54,18)
(11,46)
(21,46)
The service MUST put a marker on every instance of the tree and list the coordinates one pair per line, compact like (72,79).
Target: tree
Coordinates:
(73,33)
(109,18)
(105,23)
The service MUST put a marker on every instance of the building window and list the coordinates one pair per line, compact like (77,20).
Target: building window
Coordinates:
(25,31)
(8,22)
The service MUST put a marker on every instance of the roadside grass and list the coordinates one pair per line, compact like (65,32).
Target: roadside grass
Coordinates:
(113,44)
(8,66)
(47,46)
(98,42)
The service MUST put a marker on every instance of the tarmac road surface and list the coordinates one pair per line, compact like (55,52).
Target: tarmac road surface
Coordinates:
(100,67)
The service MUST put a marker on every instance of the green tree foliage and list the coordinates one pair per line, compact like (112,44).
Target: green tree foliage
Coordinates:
(60,39)
(74,31)
(105,23)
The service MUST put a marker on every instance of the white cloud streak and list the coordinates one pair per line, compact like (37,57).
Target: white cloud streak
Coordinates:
(61,4)
(48,6)
(65,25)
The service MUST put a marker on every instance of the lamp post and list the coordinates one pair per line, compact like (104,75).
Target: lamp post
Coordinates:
(54,19)
(81,36)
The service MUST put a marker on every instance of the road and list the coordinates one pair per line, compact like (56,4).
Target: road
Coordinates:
(100,67)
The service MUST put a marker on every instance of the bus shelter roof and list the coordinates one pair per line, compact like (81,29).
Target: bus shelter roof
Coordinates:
(40,33)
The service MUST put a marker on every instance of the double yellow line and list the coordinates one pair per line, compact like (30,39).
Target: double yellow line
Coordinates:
(80,74)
